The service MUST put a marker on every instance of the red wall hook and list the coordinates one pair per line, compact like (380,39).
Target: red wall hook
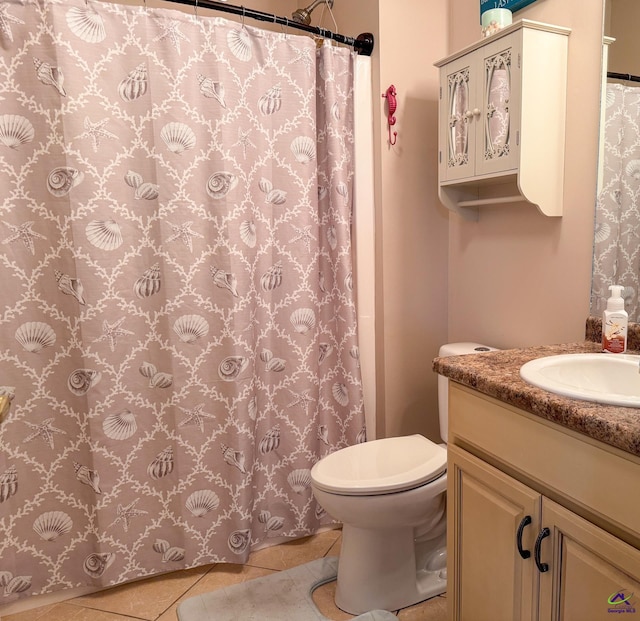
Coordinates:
(392,106)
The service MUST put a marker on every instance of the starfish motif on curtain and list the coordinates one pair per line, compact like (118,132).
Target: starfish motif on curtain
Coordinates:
(185,233)
(244,141)
(195,416)
(44,430)
(125,514)
(96,131)
(6,20)
(302,398)
(172,33)
(305,58)
(24,233)
(112,332)
(303,234)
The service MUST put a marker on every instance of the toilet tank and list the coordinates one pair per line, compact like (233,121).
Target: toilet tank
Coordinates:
(452,349)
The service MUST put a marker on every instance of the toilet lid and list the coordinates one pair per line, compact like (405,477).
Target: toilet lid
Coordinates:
(380,466)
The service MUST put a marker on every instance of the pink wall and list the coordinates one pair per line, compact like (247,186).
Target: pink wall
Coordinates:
(411,224)
(517,278)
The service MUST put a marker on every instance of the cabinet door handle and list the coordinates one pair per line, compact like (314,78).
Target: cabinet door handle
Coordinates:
(526,520)
(542,567)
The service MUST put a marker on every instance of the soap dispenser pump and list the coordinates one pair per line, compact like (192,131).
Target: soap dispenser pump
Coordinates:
(614,323)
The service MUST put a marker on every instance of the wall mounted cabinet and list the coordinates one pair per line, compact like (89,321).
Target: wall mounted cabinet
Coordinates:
(535,529)
(502,120)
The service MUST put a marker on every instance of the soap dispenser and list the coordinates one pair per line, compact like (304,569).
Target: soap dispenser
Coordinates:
(614,323)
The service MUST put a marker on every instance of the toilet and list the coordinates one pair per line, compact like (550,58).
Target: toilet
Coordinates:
(390,496)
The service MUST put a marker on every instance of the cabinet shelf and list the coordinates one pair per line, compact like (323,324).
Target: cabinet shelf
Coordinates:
(502,120)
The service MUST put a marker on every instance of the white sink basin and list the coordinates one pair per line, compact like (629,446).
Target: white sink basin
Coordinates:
(613,379)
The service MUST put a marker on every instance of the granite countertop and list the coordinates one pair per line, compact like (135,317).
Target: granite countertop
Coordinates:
(497,374)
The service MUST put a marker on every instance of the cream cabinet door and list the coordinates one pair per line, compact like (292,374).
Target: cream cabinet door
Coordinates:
(458,122)
(490,517)
(479,113)
(591,574)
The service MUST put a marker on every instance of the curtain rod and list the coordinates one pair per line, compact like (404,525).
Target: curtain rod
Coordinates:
(362,44)
(623,76)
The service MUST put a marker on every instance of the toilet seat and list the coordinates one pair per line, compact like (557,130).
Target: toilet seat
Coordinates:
(380,466)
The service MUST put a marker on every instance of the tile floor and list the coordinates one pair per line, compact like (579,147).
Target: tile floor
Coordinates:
(156,599)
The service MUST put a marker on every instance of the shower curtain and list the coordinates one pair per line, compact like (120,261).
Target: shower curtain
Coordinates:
(177,313)
(617,227)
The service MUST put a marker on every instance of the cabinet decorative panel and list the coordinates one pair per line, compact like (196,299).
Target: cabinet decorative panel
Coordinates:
(502,120)
(497,75)
(458,134)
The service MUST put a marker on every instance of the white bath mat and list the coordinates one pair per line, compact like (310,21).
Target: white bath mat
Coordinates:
(281,596)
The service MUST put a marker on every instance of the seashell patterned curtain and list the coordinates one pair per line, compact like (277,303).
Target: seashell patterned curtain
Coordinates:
(178,320)
(616,256)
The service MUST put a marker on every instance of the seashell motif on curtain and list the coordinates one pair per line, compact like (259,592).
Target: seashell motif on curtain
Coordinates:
(34,336)
(303,320)
(632,169)
(324,350)
(104,234)
(14,584)
(169,552)
(602,231)
(96,564)
(252,408)
(224,280)
(135,84)
(148,191)
(120,425)
(270,441)
(340,393)
(15,130)
(239,43)
(248,233)
(354,352)
(162,465)
(212,89)
(50,75)
(234,458)
(220,184)
(332,237)
(173,554)
(231,367)
(239,541)
(271,101)
(348,281)
(52,524)
(323,434)
(299,480)
(190,328)
(161,380)
(89,477)
(303,149)
(81,381)
(272,278)
(149,283)
(178,137)
(86,24)
(157,379)
(201,502)
(8,483)
(62,179)
(70,286)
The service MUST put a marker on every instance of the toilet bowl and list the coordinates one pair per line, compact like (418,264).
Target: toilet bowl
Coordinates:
(390,496)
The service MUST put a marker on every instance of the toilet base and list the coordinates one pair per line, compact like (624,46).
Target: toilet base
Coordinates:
(377,569)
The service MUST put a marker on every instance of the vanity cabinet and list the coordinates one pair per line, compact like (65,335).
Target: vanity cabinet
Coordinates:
(502,120)
(536,530)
